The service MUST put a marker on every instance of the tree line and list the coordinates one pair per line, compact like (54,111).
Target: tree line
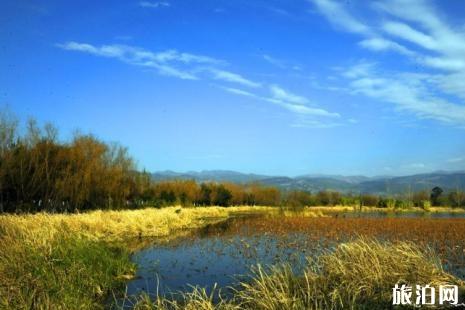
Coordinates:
(38,172)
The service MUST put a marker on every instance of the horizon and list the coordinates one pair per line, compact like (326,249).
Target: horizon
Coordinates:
(294,88)
(311,175)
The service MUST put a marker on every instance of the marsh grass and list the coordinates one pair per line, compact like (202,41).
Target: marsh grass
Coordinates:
(357,275)
(364,209)
(74,261)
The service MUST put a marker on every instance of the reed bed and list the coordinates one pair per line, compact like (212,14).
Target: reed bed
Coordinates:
(73,261)
(357,275)
(369,209)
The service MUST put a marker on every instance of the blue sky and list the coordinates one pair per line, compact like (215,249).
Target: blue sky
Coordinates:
(273,87)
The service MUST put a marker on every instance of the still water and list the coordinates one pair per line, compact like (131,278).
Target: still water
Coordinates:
(223,254)
(213,256)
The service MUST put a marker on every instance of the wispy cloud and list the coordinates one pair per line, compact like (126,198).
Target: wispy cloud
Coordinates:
(279,63)
(237,91)
(295,103)
(456,160)
(381,44)
(415,166)
(339,17)
(408,92)
(233,77)
(405,32)
(307,116)
(283,95)
(194,67)
(154,5)
(275,62)
(169,62)
(413,29)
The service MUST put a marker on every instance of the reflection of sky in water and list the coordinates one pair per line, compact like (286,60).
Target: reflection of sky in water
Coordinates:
(224,253)
(211,260)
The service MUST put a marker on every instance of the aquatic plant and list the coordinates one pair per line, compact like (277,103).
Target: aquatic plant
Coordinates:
(357,275)
(73,261)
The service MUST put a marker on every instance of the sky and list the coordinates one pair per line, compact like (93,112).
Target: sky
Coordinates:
(274,87)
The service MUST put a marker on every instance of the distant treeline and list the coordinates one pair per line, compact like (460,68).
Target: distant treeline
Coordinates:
(38,172)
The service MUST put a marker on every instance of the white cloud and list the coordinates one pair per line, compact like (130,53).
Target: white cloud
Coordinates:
(280,94)
(171,71)
(415,29)
(380,44)
(153,5)
(453,83)
(408,92)
(338,16)
(192,67)
(456,160)
(407,33)
(169,62)
(282,64)
(275,62)
(307,115)
(239,92)
(233,77)
(302,109)
(312,123)
(416,166)
(296,103)
(446,41)
(362,69)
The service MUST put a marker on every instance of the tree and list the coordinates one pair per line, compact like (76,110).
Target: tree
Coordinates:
(369,200)
(435,194)
(299,199)
(221,196)
(205,194)
(421,199)
(456,198)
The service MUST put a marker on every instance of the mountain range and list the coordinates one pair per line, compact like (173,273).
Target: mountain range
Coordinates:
(382,185)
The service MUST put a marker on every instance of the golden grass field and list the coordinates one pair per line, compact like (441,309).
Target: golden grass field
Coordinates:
(64,261)
(76,261)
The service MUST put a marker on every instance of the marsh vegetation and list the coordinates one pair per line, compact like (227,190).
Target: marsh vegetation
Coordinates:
(217,262)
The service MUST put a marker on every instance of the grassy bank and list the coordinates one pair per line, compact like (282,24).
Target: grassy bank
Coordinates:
(357,275)
(73,261)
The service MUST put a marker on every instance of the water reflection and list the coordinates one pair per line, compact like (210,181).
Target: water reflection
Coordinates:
(223,253)
(213,255)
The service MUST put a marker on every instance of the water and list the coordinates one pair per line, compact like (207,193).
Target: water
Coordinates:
(223,254)
(207,260)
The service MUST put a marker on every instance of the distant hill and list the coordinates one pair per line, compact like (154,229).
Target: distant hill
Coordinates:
(317,182)
(209,175)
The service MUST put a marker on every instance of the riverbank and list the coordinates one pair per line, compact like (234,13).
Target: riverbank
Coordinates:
(71,261)
(76,261)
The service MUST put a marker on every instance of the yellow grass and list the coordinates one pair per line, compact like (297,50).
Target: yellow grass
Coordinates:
(70,261)
(356,275)
(117,225)
(376,209)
